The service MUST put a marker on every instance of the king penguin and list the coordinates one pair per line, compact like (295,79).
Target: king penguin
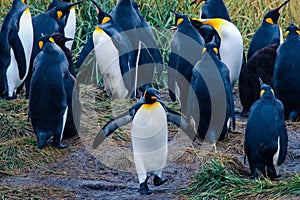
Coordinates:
(71,88)
(268,33)
(48,99)
(67,25)
(16,46)
(213,9)
(286,70)
(214,98)
(186,51)
(266,135)
(149,135)
(231,49)
(45,24)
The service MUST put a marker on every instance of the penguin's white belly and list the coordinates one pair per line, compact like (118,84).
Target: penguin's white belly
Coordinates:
(12,74)
(70,28)
(107,57)
(149,133)
(231,51)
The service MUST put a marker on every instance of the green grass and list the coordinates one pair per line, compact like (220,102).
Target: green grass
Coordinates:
(215,181)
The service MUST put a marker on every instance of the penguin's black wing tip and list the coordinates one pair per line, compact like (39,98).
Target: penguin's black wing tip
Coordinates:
(98,140)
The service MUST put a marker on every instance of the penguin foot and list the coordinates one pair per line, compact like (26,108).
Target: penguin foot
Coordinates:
(60,146)
(144,190)
(157,181)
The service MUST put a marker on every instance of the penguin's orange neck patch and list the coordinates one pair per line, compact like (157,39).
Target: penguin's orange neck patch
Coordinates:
(151,106)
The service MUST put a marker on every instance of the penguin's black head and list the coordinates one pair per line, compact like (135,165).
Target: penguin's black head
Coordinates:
(179,18)
(103,17)
(151,95)
(212,48)
(63,9)
(266,91)
(208,33)
(292,30)
(60,39)
(272,16)
(45,40)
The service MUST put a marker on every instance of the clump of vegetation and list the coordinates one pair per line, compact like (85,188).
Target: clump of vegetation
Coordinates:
(215,180)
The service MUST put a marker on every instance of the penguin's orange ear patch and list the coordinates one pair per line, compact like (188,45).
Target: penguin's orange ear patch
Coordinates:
(262,92)
(204,49)
(286,33)
(59,14)
(269,20)
(51,39)
(179,21)
(105,19)
(298,32)
(41,43)
(216,50)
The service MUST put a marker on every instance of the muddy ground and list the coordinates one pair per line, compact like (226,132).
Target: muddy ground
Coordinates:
(81,175)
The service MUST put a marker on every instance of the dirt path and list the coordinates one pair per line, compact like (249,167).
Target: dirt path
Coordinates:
(79,175)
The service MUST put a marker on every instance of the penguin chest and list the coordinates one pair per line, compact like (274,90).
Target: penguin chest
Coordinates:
(107,56)
(149,134)
(70,28)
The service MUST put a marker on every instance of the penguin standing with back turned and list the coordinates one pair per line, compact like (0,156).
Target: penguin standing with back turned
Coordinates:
(48,99)
(266,136)
(286,73)
(16,46)
(149,135)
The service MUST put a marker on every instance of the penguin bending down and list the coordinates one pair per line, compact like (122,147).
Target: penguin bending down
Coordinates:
(16,45)
(268,33)
(260,65)
(48,99)
(231,49)
(213,9)
(214,98)
(149,135)
(266,135)
(186,51)
(286,73)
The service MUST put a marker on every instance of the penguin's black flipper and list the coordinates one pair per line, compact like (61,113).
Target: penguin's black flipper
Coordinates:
(110,127)
(181,123)
(88,47)
(16,45)
(283,134)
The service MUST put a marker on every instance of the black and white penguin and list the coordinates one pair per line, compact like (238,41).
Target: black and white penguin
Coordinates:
(16,45)
(266,135)
(231,49)
(186,51)
(71,88)
(269,31)
(260,65)
(149,135)
(286,70)
(67,23)
(213,9)
(48,99)
(46,24)
(213,106)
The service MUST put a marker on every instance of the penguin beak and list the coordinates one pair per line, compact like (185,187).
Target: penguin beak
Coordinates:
(154,97)
(194,2)
(281,7)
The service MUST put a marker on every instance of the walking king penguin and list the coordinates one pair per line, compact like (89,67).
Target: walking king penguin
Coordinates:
(268,33)
(213,9)
(16,40)
(149,135)
(214,98)
(48,99)
(67,25)
(186,51)
(231,49)
(266,135)
(286,80)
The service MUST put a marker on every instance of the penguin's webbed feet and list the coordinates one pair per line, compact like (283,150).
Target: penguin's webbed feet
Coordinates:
(60,145)
(144,190)
(157,181)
